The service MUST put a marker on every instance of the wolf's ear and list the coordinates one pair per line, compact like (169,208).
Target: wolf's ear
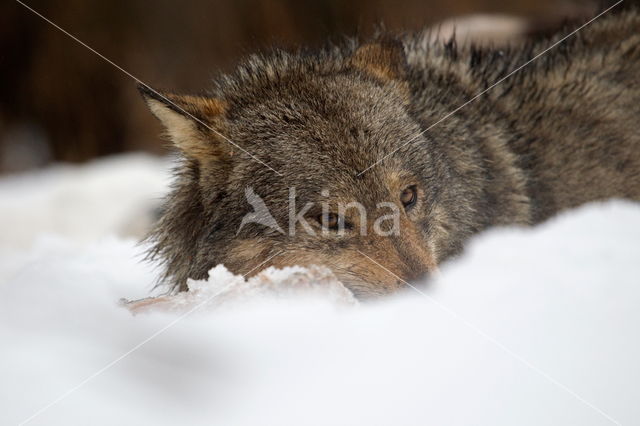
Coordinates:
(384,59)
(192,122)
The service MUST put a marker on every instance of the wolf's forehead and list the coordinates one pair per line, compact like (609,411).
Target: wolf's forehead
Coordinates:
(314,97)
(332,140)
(323,127)
(314,179)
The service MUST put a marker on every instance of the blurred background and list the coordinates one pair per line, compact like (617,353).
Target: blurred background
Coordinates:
(61,102)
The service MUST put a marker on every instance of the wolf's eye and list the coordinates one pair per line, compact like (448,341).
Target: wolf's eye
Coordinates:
(409,196)
(330,221)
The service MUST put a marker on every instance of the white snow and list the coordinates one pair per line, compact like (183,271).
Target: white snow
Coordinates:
(530,327)
(111,196)
(224,289)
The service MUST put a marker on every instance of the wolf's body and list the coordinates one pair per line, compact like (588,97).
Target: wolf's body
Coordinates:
(556,134)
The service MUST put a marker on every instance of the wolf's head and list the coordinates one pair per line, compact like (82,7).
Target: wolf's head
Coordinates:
(281,165)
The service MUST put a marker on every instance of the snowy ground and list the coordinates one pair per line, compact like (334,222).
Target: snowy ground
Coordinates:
(530,327)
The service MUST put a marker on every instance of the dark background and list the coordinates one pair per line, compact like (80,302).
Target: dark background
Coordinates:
(61,102)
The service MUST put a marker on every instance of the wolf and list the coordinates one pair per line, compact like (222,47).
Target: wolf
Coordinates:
(457,138)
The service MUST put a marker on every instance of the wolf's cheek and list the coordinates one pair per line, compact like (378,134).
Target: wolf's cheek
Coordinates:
(369,264)
(369,269)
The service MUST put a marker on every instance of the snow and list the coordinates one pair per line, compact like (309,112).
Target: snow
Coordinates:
(82,202)
(530,327)
(223,289)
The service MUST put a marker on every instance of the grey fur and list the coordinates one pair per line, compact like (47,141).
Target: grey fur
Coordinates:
(559,133)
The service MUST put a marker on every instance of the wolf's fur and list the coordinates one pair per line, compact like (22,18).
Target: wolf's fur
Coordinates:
(559,133)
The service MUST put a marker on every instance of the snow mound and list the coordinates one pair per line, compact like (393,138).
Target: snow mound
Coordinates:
(115,195)
(224,288)
(534,326)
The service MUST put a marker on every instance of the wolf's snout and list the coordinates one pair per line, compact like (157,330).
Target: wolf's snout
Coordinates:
(415,275)
(416,260)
